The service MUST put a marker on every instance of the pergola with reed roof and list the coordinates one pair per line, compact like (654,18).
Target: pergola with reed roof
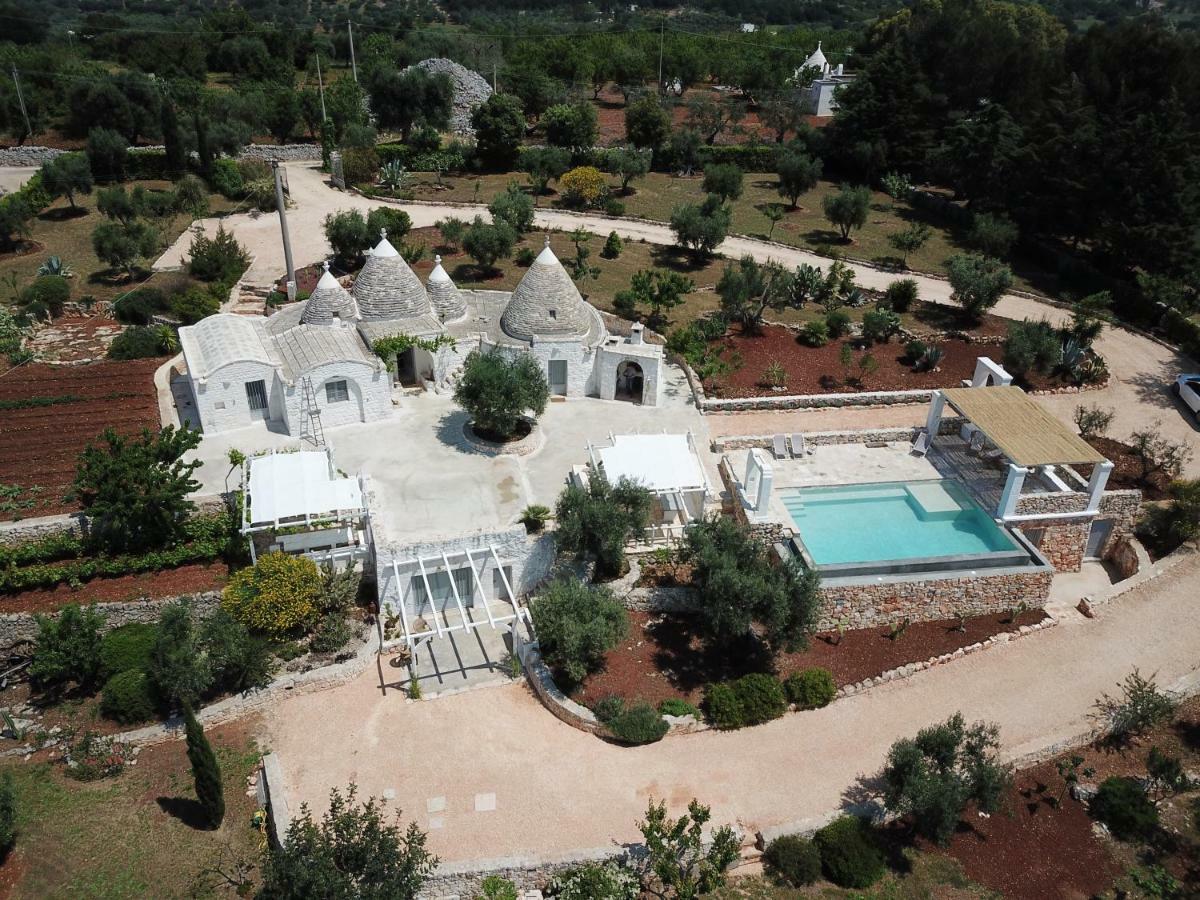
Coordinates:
(1028,436)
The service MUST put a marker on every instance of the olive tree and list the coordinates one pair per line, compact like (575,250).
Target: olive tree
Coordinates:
(847,209)
(599,519)
(498,392)
(576,625)
(978,281)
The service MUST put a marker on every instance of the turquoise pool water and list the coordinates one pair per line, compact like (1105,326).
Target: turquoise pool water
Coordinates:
(861,523)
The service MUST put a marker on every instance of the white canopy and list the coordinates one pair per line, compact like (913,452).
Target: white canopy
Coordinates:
(660,462)
(303,485)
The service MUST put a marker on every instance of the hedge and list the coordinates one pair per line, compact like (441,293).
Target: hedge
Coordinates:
(149,164)
(129,697)
(128,648)
(747,157)
(850,853)
(67,544)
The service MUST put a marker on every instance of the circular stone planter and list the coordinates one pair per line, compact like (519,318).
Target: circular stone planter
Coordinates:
(517,447)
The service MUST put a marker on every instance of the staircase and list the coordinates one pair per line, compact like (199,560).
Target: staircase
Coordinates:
(310,416)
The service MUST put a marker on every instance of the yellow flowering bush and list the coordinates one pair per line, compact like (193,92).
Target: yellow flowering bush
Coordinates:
(278,596)
(583,186)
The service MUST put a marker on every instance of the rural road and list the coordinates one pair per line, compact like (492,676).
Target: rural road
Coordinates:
(557,790)
(1142,369)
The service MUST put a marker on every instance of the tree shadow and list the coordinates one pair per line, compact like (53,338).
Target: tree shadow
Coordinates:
(682,652)
(676,259)
(889,263)
(451,428)
(63,214)
(1189,733)
(766,184)
(186,810)
(823,236)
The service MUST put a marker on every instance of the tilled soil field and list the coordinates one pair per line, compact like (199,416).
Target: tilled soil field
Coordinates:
(67,408)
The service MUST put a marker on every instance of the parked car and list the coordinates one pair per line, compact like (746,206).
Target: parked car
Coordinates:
(1187,389)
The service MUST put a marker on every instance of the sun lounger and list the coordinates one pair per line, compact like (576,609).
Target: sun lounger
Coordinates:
(799,446)
(779,446)
(921,445)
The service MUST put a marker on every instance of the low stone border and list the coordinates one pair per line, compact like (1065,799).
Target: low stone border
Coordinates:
(899,434)
(529,444)
(814,401)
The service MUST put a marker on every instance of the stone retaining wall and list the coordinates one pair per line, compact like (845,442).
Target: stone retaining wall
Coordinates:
(26,530)
(36,156)
(282,152)
(949,425)
(22,628)
(872,604)
(813,401)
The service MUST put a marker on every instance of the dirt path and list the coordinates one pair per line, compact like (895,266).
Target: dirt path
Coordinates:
(1142,369)
(558,790)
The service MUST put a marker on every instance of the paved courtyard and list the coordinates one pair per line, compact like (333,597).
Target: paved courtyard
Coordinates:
(428,481)
(492,774)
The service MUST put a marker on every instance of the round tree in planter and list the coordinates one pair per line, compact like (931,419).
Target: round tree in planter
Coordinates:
(500,394)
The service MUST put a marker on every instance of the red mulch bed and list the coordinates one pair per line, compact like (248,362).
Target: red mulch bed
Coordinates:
(168,583)
(1127,470)
(610,118)
(1032,849)
(664,657)
(818,370)
(39,445)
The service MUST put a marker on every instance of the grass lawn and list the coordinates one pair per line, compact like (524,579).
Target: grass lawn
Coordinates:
(59,231)
(657,194)
(129,836)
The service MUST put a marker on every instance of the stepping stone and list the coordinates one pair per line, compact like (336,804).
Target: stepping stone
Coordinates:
(435,804)
(436,822)
(485,802)
(389,793)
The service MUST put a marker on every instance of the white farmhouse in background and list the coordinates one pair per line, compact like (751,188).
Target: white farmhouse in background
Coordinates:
(820,97)
(311,365)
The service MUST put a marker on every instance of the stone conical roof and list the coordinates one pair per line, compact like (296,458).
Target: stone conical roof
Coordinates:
(447,301)
(387,288)
(546,304)
(817,60)
(327,300)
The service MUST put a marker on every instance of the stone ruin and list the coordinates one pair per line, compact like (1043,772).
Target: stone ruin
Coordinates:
(470,91)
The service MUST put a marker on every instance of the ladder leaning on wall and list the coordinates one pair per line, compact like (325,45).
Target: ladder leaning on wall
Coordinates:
(310,416)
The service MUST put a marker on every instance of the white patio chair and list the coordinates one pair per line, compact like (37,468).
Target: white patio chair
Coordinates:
(921,445)
(800,447)
(779,446)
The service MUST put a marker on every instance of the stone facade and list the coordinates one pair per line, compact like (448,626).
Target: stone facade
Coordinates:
(1062,542)
(814,401)
(871,603)
(17,629)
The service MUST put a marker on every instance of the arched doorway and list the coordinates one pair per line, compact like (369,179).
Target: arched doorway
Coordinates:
(630,381)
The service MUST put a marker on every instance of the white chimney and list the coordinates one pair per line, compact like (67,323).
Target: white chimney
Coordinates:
(635,333)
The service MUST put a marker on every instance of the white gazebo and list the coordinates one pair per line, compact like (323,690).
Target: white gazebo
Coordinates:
(669,466)
(1030,438)
(307,505)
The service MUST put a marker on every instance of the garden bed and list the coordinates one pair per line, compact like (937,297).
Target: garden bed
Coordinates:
(1127,470)
(187,579)
(52,413)
(819,370)
(664,657)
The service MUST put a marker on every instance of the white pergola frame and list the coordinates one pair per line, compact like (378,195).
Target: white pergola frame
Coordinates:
(360,515)
(414,639)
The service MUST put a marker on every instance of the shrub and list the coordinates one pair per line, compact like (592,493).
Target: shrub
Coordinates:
(219,258)
(139,306)
(396,222)
(576,625)
(680,857)
(815,333)
(360,165)
(675,706)
(850,853)
(525,257)
(181,670)
(226,179)
(239,660)
(811,688)
(534,517)
(992,235)
(496,888)
(1141,707)
(978,281)
(761,698)
(67,648)
(901,295)
(498,392)
(127,649)
(206,772)
(50,292)
(837,323)
(277,596)
(486,243)
(700,227)
(137,342)
(612,246)
(1093,421)
(608,708)
(724,180)
(107,154)
(332,633)
(191,196)
(639,724)
(614,207)
(193,305)
(723,706)
(793,860)
(594,881)
(348,235)
(584,187)
(914,350)
(1122,805)
(879,325)
(514,207)
(129,697)
(1031,346)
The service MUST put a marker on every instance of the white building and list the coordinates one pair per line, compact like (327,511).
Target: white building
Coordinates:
(311,365)
(820,97)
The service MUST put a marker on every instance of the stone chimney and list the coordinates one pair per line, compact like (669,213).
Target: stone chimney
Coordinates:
(635,333)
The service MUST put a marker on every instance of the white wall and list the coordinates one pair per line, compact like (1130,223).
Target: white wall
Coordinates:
(221,401)
(609,361)
(370,392)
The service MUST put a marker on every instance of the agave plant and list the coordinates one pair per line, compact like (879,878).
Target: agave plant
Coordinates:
(1073,356)
(55,266)
(930,359)
(168,339)
(394,176)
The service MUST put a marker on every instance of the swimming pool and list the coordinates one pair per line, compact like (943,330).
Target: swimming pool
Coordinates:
(910,526)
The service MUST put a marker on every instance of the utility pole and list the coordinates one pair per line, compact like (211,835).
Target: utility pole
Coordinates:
(21,100)
(287,241)
(353,64)
(321,88)
(662,28)
(495,65)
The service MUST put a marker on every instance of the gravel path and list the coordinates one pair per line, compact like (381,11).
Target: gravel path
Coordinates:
(558,790)
(1142,369)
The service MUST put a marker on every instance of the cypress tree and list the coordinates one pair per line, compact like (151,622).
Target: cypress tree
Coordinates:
(172,142)
(202,149)
(205,771)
